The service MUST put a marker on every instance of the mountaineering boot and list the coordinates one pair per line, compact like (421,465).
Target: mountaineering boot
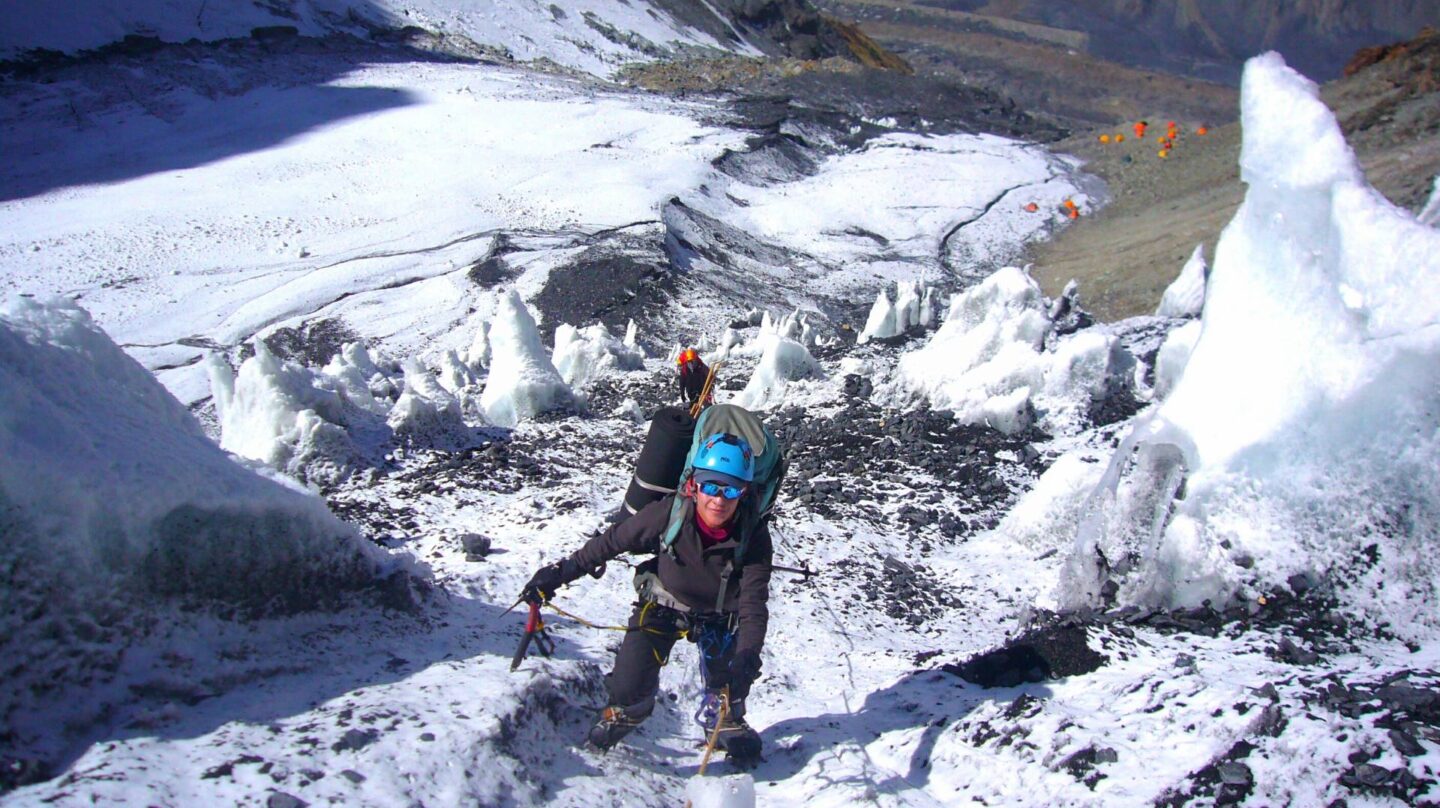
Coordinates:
(740,743)
(610,726)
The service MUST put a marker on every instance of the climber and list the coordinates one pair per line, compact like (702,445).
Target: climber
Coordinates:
(693,374)
(708,581)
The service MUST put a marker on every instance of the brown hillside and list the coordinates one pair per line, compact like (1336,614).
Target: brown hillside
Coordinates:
(1127,253)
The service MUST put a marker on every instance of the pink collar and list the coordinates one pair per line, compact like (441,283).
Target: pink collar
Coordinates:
(710,536)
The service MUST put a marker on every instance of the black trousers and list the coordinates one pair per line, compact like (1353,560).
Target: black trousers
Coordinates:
(651,633)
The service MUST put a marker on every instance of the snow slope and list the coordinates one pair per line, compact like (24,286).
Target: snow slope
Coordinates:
(591,35)
(324,225)
(379,215)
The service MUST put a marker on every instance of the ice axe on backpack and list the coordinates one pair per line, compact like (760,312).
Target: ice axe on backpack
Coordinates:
(706,391)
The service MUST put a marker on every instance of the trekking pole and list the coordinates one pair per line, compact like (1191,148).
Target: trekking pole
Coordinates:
(804,572)
(714,735)
(534,631)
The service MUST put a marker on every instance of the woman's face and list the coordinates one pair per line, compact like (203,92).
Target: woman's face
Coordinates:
(714,511)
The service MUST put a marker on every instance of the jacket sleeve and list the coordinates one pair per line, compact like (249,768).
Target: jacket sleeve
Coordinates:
(638,534)
(755,592)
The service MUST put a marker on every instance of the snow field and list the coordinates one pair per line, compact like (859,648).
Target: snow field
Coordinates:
(1341,444)
(868,230)
(361,209)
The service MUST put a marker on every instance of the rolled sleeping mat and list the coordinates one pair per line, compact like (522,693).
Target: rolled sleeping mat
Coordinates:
(662,458)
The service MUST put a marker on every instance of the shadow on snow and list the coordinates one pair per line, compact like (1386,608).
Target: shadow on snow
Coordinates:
(930,701)
(105,120)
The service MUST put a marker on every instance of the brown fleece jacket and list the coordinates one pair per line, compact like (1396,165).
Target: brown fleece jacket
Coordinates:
(692,576)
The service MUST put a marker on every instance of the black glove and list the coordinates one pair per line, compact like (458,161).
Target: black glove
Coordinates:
(744,669)
(545,582)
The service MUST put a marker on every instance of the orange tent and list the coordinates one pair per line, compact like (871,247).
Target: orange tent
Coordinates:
(1140,128)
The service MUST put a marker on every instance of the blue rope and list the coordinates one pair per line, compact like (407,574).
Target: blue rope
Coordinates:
(714,640)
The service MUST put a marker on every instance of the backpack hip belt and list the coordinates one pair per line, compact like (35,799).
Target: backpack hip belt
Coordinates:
(648,587)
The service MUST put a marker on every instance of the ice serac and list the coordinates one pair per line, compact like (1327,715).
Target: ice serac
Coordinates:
(523,382)
(274,411)
(1302,436)
(783,360)
(881,322)
(985,360)
(1185,296)
(426,411)
(584,354)
(914,307)
(109,484)
(996,360)
(1430,214)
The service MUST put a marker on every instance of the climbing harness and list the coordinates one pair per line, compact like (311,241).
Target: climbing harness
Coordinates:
(710,631)
(701,625)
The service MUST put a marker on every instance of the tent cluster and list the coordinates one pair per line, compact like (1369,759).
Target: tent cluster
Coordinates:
(1067,207)
(1166,142)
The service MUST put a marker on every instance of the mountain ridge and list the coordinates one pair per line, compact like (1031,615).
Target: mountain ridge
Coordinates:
(592,36)
(1208,39)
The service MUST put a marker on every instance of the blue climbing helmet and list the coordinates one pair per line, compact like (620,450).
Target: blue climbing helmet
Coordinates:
(762,462)
(723,453)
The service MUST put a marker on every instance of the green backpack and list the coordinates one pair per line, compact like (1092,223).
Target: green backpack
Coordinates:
(770,465)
